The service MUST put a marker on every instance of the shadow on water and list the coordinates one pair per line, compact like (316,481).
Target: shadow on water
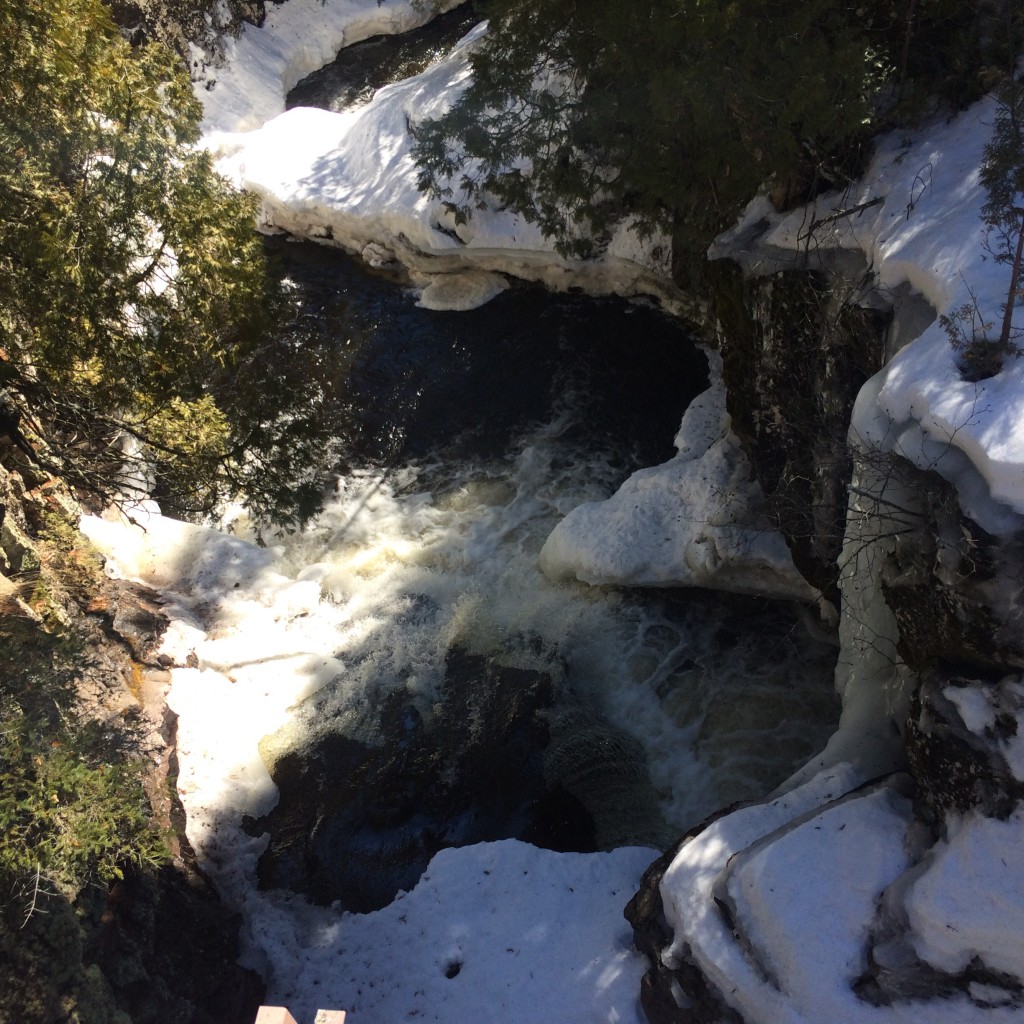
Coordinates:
(410,383)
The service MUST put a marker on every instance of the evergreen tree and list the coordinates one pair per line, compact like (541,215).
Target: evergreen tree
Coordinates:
(1002,174)
(670,112)
(133,292)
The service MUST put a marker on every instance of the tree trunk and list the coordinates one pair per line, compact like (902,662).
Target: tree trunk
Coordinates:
(1004,334)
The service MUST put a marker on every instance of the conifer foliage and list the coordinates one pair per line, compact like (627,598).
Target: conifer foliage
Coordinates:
(670,112)
(1002,174)
(133,292)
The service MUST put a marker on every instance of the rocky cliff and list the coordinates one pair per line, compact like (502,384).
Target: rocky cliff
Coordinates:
(157,945)
(885,890)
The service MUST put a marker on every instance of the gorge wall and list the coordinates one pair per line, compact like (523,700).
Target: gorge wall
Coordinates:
(158,944)
(797,347)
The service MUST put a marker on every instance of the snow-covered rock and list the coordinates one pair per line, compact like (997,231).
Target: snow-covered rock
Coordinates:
(787,909)
(836,899)
(250,79)
(695,521)
(917,220)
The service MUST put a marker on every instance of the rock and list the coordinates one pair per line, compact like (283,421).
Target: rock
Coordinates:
(18,553)
(168,949)
(137,616)
(955,590)
(676,994)
(158,946)
(963,744)
(370,797)
(796,348)
(364,806)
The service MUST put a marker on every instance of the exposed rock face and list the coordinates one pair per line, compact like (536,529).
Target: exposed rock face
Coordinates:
(963,745)
(165,944)
(157,946)
(955,590)
(168,950)
(364,806)
(676,994)
(796,348)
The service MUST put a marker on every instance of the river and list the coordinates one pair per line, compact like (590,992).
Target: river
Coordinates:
(464,438)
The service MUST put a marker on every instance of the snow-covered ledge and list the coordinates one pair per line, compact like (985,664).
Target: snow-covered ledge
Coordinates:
(349,179)
(695,521)
(916,218)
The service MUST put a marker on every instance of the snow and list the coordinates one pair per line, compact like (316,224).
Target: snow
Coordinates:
(777,902)
(983,706)
(970,903)
(691,522)
(248,84)
(349,178)
(520,930)
(456,292)
(804,932)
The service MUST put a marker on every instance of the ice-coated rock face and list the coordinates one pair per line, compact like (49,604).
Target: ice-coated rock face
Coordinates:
(923,231)
(797,345)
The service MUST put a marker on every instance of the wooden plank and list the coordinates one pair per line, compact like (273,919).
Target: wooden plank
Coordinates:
(274,1015)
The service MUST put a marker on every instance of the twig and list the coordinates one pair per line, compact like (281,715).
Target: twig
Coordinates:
(848,212)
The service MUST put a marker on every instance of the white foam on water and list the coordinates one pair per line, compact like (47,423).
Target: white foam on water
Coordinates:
(419,558)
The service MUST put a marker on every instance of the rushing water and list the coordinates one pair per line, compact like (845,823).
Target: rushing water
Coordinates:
(463,438)
(467,436)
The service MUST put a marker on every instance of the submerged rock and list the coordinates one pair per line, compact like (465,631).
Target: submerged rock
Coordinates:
(367,800)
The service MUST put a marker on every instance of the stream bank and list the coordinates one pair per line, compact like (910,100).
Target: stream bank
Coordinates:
(158,944)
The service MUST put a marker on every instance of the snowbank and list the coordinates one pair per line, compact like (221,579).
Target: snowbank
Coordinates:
(248,84)
(349,178)
(970,903)
(695,521)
